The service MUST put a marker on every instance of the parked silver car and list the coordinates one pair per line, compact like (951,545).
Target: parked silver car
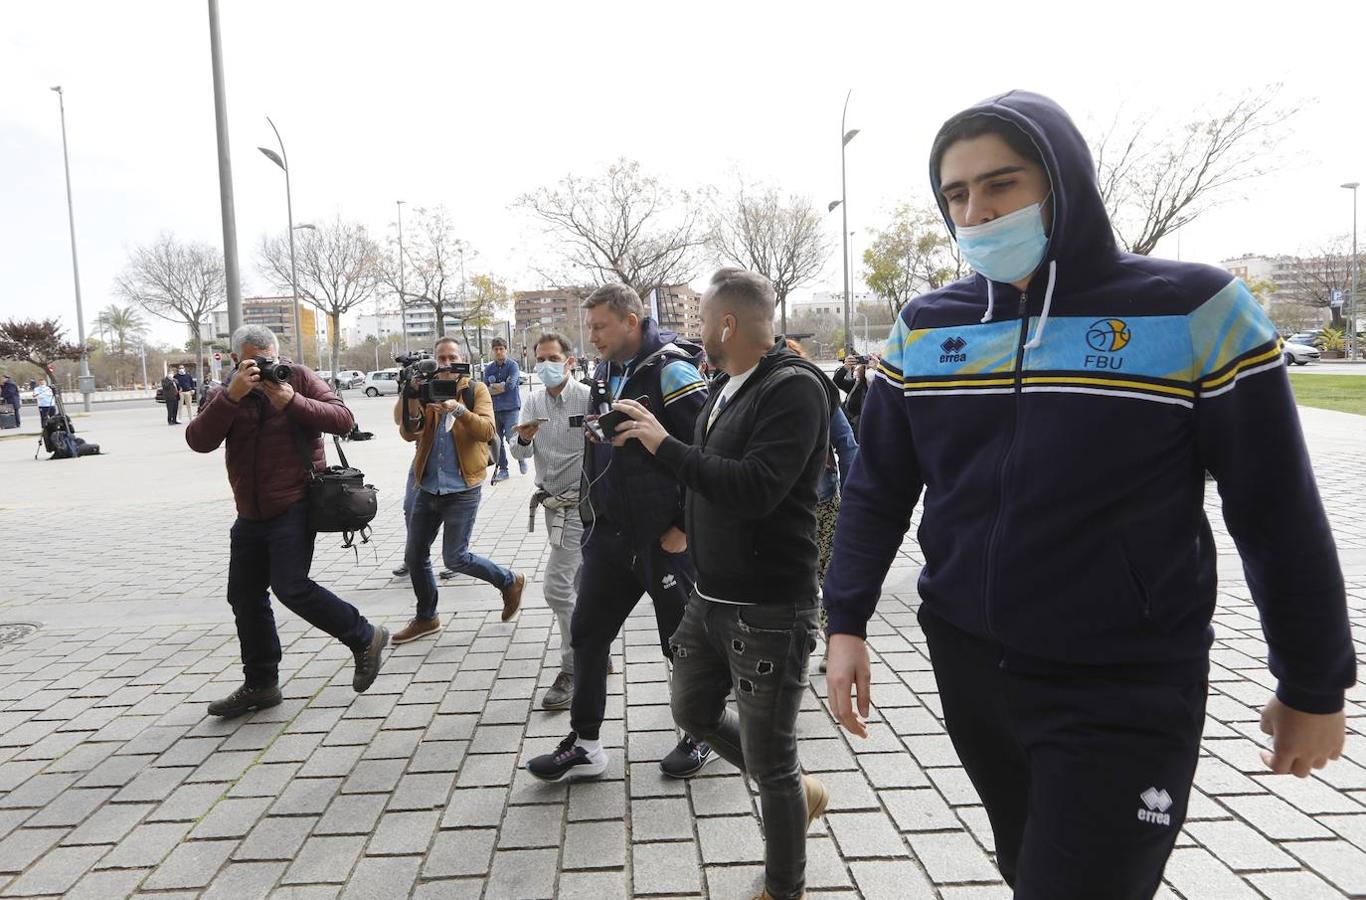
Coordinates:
(1300,354)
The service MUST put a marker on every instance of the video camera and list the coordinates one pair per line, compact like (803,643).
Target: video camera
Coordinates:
(417,379)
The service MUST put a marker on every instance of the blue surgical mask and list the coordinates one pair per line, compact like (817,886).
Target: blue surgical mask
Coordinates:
(550,373)
(1006,249)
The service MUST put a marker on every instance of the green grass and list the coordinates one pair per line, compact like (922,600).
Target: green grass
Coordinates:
(1344,393)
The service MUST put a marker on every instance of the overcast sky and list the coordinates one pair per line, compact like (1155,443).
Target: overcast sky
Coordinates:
(470,105)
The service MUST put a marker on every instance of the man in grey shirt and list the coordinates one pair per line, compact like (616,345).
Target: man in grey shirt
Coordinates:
(551,432)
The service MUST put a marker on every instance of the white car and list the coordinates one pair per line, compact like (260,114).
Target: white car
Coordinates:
(349,378)
(385,381)
(1300,354)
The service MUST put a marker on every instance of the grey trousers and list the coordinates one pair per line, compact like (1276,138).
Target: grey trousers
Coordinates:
(564,532)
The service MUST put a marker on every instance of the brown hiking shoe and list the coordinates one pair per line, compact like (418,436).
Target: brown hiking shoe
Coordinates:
(512,596)
(415,629)
(817,799)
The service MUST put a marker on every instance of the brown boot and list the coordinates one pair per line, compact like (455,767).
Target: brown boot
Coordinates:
(817,799)
(512,596)
(415,629)
(765,895)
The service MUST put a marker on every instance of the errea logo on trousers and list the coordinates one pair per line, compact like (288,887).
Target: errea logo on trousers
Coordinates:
(1157,803)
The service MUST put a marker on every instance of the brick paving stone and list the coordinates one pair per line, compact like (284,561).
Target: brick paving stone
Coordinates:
(190,865)
(55,872)
(592,885)
(71,807)
(731,839)
(245,881)
(382,878)
(522,875)
(109,824)
(529,827)
(891,880)
(863,835)
(324,860)
(146,846)
(305,796)
(230,818)
(275,838)
(403,833)
(1239,846)
(1338,861)
(352,814)
(1196,873)
(1299,885)
(106,885)
(665,868)
(460,852)
(661,820)
(952,857)
(475,806)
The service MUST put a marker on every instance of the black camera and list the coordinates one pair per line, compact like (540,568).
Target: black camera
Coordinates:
(273,370)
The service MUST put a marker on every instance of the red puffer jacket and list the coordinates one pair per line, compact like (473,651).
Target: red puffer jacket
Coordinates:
(265,466)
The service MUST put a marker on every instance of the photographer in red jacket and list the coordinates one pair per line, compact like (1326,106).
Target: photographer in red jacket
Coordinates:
(270,420)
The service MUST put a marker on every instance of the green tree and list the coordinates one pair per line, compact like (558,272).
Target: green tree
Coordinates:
(911,255)
(487,295)
(118,324)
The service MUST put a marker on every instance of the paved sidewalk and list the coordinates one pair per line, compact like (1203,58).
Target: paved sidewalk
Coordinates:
(113,783)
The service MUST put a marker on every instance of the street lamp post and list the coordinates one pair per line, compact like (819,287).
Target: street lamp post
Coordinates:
(1352,299)
(845,138)
(402,302)
(87,383)
(865,331)
(220,114)
(282,160)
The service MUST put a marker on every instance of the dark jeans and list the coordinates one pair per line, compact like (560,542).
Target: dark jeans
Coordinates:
(612,580)
(503,421)
(762,653)
(277,554)
(1085,778)
(172,408)
(45,413)
(456,512)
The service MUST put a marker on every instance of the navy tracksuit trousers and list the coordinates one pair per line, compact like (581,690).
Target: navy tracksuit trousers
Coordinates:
(1085,776)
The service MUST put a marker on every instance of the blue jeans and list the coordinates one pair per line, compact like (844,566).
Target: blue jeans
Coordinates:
(503,421)
(277,554)
(456,513)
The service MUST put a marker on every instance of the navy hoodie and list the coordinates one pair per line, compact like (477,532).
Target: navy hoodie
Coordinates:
(1060,438)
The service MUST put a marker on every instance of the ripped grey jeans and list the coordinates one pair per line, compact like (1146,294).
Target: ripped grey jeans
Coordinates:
(762,652)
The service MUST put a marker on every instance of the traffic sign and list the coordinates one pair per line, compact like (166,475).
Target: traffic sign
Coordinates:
(217,357)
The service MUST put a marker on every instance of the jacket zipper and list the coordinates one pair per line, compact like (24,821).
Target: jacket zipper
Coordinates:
(989,583)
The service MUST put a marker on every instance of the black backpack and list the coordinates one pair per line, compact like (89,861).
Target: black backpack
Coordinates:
(495,442)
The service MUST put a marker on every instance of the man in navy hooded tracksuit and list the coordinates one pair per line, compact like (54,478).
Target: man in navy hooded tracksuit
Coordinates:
(1059,410)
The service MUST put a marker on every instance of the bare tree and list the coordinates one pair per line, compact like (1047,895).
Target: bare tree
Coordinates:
(621,226)
(911,255)
(1154,180)
(178,282)
(431,267)
(756,229)
(338,270)
(1323,276)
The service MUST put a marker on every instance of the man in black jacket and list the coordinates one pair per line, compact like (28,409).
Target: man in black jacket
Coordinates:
(751,474)
(633,521)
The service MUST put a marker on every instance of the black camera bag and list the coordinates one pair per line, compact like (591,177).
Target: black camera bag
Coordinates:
(339,500)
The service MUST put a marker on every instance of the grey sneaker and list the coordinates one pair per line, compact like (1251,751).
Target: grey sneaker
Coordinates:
(370,660)
(244,700)
(561,693)
(401,570)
